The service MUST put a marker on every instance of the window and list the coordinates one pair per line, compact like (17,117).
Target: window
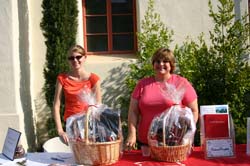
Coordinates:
(109,26)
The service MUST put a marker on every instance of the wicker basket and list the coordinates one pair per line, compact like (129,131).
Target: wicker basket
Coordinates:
(95,153)
(169,153)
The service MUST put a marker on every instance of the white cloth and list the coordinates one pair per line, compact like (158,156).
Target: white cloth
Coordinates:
(41,159)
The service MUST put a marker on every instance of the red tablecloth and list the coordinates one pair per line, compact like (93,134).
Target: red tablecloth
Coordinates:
(196,158)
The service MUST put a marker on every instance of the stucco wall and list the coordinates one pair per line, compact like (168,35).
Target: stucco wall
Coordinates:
(11,110)
(37,53)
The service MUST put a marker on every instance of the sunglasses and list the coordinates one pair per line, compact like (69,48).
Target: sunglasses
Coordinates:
(71,58)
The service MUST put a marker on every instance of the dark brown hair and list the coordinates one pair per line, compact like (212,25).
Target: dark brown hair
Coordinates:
(164,54)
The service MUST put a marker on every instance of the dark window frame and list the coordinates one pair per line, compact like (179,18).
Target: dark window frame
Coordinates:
(109,30)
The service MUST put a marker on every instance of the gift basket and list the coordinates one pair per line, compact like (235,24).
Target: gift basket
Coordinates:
(95,137)
(171,133)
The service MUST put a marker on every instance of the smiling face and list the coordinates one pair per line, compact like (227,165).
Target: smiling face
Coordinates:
(76,60)
(162,66)
(163,61)
(76,57)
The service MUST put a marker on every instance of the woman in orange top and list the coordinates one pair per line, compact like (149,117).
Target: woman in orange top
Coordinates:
(72,84)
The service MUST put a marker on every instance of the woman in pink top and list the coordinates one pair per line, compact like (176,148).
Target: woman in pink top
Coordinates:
(71,85)
(148,100)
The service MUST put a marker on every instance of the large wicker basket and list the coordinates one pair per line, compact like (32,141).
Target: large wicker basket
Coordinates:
(170,153)
(95,153)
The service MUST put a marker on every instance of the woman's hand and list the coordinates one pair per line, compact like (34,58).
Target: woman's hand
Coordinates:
(56,111)
(64,137)
(131,142)
(133,116)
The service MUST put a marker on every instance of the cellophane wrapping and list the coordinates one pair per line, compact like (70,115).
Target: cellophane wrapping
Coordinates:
(176,123)
(95,136)
(174,127)
(103,125)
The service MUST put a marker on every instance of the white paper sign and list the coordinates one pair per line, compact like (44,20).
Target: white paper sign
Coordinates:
(10,143)
(219,148)
(213,109)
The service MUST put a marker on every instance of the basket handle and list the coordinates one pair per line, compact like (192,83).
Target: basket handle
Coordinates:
(164,124)
(164,131)
(87,123)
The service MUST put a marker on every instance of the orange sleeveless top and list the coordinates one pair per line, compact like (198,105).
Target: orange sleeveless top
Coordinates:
(72,91)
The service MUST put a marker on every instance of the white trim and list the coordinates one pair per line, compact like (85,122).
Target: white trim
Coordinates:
(79,38)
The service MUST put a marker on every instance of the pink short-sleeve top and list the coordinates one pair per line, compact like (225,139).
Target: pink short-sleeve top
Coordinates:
(152,101)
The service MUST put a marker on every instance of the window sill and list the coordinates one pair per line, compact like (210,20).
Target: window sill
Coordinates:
(118,58)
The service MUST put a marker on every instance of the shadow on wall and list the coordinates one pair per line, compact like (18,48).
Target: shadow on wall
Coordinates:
(43,114)
(114,85)
(25,96)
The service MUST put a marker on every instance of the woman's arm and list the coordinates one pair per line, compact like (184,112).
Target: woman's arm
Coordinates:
(133,116)
(56,111)
(97,92)
(194,107)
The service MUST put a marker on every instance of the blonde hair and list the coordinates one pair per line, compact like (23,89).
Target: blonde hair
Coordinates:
(78,49)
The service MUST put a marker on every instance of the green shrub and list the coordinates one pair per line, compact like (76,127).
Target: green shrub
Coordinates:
(59,25)
(220,72)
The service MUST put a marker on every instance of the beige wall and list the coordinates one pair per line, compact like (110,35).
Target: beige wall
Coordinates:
(37,55)
(11,112)
(22,57)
